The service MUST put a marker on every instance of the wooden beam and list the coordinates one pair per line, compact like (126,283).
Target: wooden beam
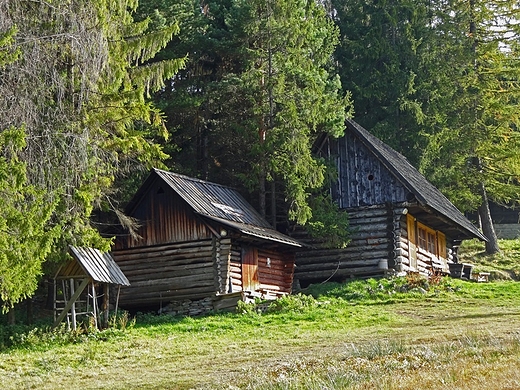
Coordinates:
(72,300)
(95,305)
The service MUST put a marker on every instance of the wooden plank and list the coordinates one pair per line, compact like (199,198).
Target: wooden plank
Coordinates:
(183,278)
(367,213)
(363,228)
(343,264)
(339,273)
(184,255)
(172,269)
(349,252)
(227,301)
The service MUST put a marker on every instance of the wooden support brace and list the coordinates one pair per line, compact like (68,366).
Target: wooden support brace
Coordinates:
(71,301)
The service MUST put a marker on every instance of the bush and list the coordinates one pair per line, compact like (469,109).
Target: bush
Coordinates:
(292,303)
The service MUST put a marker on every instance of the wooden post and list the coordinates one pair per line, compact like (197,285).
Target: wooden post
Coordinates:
(73,308)
(106,306)
(55,296)
(94,304)
(30,311)
(117,298)
(65,302)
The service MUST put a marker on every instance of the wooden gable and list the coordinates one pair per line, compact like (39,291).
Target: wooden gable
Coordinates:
(363,180)
(164,217)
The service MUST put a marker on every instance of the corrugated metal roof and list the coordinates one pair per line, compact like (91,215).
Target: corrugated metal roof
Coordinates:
(101,267)
(220,203)
(259,232)
(213,200)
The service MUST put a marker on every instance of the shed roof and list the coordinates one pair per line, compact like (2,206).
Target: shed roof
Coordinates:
(100,266)
(426,193)
(218,203)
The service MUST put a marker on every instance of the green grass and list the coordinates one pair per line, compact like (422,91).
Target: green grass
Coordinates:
(386,339)
(502,266)
(399,333)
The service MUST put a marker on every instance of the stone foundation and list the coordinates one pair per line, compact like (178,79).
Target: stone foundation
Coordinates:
(188,307)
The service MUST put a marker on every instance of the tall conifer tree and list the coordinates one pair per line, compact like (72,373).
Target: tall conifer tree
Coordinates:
(381,56)
(474,152)
(76,93)
(258,87)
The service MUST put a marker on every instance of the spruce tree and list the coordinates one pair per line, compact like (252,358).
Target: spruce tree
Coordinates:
(382,55)
(258,87)
(74,117)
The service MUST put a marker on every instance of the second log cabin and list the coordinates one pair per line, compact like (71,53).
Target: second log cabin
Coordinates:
(400,222)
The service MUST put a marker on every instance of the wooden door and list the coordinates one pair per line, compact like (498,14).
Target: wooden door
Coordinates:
(250,280)
(412,241)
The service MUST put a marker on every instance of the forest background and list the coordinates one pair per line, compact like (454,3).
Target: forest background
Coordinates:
(94,93)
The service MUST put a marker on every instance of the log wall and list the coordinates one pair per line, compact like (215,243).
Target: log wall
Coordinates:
(369,253)
(235,269)
(165,273)
(275,272)
(222,256)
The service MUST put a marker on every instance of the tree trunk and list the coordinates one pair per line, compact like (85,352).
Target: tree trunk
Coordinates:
(261,191)
(487,224)
(11,318)
(30,313)
(273,204)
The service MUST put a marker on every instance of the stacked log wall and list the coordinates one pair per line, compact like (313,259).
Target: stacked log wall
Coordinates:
(222,255)
(403,255)
(165,273)
(275,272)
(235,269)
(370,247)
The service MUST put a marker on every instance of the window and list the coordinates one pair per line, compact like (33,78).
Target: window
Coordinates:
(427,238)
(425,243)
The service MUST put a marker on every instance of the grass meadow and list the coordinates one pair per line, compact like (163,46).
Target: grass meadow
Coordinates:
(398,333)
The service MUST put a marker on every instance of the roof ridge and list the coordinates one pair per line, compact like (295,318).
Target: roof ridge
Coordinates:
(195,179)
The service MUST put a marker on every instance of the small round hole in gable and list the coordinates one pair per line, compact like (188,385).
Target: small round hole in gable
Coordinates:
(370,177)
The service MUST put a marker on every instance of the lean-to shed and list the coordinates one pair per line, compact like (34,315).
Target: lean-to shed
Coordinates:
(399,220)
(199,243)
(81,286)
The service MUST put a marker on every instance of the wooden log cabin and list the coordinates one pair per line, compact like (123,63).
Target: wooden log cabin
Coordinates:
(199,241)
(400,222)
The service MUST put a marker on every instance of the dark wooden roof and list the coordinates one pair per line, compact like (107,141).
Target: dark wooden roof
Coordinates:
(426,193)
(95,264)
(217,203)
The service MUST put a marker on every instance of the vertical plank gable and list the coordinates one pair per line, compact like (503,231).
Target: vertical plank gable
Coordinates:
(164,217)
(362,179)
